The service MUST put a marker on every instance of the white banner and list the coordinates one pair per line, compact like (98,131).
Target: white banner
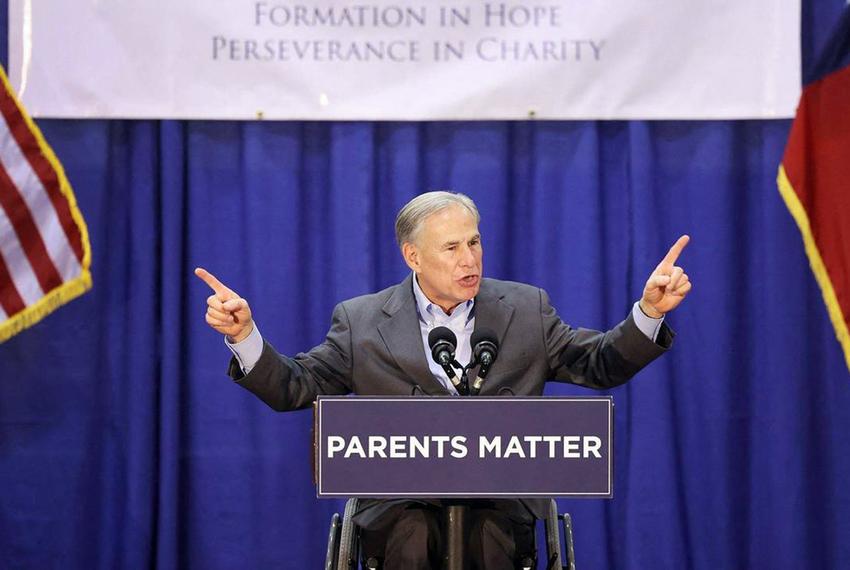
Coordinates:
(406,60)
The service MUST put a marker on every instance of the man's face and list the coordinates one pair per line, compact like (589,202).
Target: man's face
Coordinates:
(447,257)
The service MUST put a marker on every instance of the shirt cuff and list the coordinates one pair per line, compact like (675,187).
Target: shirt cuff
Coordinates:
(248,350)
(647,325)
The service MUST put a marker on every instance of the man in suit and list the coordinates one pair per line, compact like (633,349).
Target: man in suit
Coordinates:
(378,344)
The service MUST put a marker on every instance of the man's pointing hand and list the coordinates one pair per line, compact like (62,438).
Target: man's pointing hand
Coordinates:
(668,284)
(227,312)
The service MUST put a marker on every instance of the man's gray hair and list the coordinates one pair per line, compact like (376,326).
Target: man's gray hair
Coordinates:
(411,217)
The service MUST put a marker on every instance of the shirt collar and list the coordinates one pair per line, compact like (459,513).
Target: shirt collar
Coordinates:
(428,310)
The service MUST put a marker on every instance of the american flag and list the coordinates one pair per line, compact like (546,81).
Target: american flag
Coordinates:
(44,246)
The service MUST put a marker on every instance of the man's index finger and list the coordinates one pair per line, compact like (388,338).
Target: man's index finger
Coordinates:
(217,286)
(675,251)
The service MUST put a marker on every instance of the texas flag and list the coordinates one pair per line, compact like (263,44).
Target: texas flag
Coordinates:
(814,178)
(44,247)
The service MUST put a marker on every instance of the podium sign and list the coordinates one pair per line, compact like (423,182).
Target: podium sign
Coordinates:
(464,447)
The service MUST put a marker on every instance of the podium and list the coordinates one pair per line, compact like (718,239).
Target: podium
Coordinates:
(454,448)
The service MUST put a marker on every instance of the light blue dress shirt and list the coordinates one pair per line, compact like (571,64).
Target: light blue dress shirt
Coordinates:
(461,322)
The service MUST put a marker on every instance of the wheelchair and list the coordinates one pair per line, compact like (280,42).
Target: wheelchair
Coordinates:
(343,552)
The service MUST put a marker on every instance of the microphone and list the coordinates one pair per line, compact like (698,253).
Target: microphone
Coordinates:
(443,343)
(485,348)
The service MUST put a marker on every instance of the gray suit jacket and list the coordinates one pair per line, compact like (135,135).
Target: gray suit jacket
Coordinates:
(374,347)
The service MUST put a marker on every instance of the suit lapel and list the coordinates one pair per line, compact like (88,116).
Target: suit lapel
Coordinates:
(402,335)
(493,313)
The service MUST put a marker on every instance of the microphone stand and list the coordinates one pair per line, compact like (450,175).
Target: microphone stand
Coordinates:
(455,519)
(456,513)
(464,379)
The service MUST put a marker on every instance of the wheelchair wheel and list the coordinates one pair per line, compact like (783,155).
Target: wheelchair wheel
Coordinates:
(331,559)
(348,554)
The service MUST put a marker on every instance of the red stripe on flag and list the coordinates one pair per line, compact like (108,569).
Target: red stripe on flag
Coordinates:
(28,235)
(43,169)
(817,163)
(10,299)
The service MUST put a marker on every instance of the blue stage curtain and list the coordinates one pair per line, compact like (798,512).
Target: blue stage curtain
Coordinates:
(123,444)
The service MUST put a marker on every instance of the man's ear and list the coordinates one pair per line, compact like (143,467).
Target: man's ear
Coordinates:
(411,256)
